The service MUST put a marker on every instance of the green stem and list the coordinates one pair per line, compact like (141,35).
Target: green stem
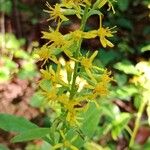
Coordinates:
(137,122)
(83,23)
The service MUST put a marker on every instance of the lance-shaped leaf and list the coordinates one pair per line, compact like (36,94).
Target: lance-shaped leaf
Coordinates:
(32,134)
(15,123)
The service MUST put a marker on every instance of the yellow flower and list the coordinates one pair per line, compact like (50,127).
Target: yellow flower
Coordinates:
(101,88)
(54,77)
(78,34)
(50,95)
(58,41)
(56,13)
(55,38)
(103,33)
(45,53)
(73,8)
(65,143)
(87,64)
(76,2)
(72,109)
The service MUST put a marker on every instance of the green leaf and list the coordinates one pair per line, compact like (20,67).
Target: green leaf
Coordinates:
(91,120)
(37,100)
(3,147)
(127,67)
(145,48)
(125,23)
(107,57)
(121,79)
(15,124)
(79,141)
(6,6)
(119,124)
(123,4)
(125,92)
(31,135)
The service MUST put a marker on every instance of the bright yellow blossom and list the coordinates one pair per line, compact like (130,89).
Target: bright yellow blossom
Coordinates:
(62,87)
(103,33)
(53,76)
(57,40)
(45,53)
(72,111)
(56,13)
(101,88)
(77,2)
(78,35)
(50,95)
(87,64)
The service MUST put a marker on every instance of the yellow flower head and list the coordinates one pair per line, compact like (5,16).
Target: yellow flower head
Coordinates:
(76,35)
(50,95)
(103,33)
(45,53)
(77,2)
(72,111)
(55,38)
(56,13)
(54,77)
(101,88)
(87,64)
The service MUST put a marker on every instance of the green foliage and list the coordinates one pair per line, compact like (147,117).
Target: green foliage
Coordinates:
(123,4)
(31,134)
(119,124)
(127,67)
(145,48)
(15,124)
(2,147)
(91,121)
(43,146)
(125,23)
(14,51)
(37,100)
(6,6)
(130,83)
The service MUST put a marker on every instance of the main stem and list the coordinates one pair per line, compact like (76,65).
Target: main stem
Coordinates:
(137,122)
(83,23)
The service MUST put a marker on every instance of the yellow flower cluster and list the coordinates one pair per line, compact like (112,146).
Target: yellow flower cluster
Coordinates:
(68,43)
(71,98)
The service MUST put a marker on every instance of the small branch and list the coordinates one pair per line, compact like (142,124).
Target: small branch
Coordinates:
(137,122)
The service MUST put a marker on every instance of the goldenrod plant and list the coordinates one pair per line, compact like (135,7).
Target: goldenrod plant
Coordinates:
(72,89)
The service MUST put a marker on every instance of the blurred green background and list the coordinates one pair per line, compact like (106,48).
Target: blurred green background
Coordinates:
(21,23)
